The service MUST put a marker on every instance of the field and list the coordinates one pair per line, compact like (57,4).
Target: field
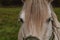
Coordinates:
(9,24)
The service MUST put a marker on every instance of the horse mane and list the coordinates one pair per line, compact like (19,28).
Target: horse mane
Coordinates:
(36,12)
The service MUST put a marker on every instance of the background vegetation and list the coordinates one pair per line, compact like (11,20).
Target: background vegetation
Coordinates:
(55,3)
(9,24)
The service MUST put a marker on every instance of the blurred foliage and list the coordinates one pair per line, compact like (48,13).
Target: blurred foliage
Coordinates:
(19,3)
(10,2)
(56,3)
(57,11)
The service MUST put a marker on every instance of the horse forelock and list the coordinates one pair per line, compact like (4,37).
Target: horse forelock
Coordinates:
(36,11)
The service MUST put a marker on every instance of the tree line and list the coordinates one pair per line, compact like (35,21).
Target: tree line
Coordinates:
(56,3)
(19,3)
(10,3)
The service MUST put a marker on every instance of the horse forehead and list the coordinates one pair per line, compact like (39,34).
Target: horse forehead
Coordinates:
(22,15)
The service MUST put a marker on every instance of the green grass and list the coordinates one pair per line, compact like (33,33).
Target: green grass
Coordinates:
(57,11)
(8,22)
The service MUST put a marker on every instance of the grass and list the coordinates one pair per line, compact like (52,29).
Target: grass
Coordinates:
(8,22)
(57,11)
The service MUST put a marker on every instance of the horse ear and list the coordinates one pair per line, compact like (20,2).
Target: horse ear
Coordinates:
(23,1)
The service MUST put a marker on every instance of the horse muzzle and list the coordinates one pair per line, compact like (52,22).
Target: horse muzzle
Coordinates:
(31,38)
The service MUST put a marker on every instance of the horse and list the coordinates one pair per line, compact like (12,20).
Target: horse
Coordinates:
(39,21)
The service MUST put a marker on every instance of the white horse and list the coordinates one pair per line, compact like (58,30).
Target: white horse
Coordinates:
(39,22)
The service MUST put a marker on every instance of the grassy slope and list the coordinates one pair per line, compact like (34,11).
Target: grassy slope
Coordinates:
(9,25)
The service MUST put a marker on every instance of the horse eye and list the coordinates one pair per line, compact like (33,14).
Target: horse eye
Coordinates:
(21,20)
(48,20)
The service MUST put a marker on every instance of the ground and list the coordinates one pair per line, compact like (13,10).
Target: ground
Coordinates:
(9,25)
